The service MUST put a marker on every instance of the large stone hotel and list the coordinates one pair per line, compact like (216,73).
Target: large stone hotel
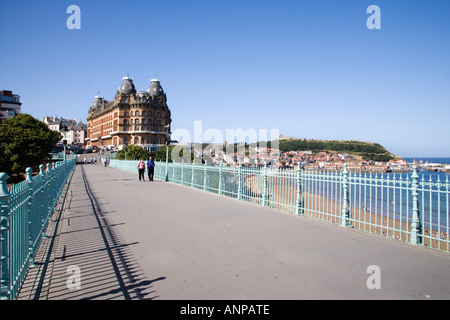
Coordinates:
(141,118)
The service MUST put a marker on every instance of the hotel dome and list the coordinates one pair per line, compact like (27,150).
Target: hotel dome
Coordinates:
(97,102)
(155,89)
(127,86)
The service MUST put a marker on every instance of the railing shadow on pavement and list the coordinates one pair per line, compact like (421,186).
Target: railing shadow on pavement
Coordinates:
(116,266)
(109,270)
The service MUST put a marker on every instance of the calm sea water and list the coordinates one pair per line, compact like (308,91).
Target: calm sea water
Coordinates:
(431,174)
(435,202)
(430,160)
(434,198)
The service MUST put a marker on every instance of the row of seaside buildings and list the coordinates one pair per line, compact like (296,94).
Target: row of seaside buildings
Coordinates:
(132,117)
(140,118)
(258,156)
(73,130)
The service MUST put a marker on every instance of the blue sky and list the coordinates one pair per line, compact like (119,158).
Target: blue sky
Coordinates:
(311,69)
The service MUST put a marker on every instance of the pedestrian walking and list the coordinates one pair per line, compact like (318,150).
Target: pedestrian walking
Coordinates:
(141,168)
(150,168)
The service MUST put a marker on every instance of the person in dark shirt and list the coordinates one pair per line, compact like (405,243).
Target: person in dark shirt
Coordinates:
(150,168)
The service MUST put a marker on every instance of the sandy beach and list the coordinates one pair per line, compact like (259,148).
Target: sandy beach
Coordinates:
(283,196)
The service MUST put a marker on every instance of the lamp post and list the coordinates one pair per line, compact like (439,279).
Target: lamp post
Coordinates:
(100,142)
(167,127)
(64,131)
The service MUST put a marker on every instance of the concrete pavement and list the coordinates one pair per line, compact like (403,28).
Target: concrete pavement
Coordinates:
(118,238)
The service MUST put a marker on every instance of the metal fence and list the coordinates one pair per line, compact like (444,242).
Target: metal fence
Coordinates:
(25,210)
(404,206)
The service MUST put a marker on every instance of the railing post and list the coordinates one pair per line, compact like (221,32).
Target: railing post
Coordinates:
(299,208)
(4,230)
(220,177)
(167,163)
(239,193)
(192,173)
(204,175)
(49,175)
(182,172)
(345,203)
(30,215)
(265,195)
(43,209)
(416,228)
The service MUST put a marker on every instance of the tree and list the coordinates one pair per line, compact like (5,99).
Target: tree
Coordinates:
(133,152)
(160,154)
(25,142)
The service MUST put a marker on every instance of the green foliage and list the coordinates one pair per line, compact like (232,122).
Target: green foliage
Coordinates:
(133,152)
(369,151)
(25,142)
(377,157)
(331,145)
(161,154)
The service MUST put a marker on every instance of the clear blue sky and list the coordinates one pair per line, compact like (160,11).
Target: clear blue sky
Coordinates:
(311,69)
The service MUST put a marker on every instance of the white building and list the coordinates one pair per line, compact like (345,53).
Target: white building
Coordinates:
(72,130)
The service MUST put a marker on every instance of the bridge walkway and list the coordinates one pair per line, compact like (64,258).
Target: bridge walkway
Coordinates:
(119,238)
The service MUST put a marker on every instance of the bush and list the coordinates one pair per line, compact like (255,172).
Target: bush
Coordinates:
(133,152)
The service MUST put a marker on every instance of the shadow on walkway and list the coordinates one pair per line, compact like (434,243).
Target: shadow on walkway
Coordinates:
(84,256)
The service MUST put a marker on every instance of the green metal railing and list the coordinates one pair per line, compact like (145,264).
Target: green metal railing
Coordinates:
(403,206)
(25,211)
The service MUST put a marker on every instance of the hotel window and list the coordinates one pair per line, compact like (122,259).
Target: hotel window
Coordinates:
(158,115)
(136,121)
(136,141)
(136,113)
(136,128)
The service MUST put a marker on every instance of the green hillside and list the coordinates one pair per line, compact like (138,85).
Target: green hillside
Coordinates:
(367,150)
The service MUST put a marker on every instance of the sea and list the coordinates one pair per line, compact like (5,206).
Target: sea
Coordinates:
(442,160)
(434,205)
(434,195)
(432,174)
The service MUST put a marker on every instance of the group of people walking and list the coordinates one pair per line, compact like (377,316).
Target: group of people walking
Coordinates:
(150,164)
